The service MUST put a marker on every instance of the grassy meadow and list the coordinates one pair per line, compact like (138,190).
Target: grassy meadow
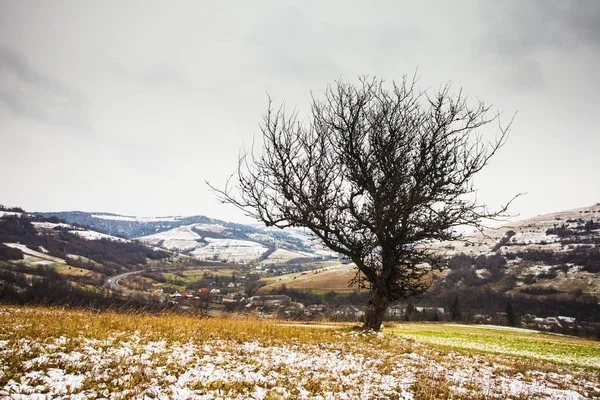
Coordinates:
(57,353)
(319,282)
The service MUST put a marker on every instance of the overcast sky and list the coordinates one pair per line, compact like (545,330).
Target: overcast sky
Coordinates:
(129,106)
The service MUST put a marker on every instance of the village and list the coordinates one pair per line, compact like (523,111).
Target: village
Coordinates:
(282,307)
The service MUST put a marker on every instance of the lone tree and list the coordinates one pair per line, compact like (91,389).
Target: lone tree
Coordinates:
(374,173)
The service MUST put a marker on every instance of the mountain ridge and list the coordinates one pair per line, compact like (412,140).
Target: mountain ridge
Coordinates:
(202,237)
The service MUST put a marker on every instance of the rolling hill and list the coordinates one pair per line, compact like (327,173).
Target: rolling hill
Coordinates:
(44,260)
(546,265)
(204,238)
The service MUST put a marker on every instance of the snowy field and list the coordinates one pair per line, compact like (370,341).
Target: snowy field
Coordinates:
(231,250)
(181,238)
(93,235)
(35,257)
(51,353)
(134,219)
(282,256)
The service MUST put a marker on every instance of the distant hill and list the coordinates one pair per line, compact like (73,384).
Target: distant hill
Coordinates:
(552,254)
(126,226)
(334,278)
(204,238)
(44,260)
(548,265)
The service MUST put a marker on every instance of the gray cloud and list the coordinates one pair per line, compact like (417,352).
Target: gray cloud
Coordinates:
(524,74)
(292,46)
(524,27)
(177,89)
(522,33)
(163,75)
(157,76)
(31,94)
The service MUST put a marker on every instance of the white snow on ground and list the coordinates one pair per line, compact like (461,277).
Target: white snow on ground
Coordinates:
(130,365)
(209,227)
(35,257)
(283,256)
(180,233)
(181,238)
(304,236)
(180,245)
(50,225)
(537,269)
(9,214)
(232,250)
(138,219)
(93,235)
(262,237)
(482,273)
(530,234)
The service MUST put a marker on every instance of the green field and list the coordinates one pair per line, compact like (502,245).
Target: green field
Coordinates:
(512,342)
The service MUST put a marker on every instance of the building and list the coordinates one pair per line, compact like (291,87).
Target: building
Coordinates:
(350,311)
(270,301)
(567,321)
(396,311)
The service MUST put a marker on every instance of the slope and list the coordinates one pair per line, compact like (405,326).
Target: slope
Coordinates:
(205,238)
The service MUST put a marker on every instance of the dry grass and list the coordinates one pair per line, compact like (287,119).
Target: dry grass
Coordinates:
(85,354)
(335,279)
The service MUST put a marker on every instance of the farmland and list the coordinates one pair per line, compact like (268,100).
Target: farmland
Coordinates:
(84,354)
(334,278)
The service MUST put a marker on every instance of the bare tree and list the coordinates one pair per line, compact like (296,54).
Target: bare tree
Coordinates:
(375,174)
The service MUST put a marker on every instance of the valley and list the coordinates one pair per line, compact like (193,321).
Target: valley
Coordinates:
(543,266)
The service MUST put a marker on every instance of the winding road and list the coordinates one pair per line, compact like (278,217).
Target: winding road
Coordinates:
(113,283)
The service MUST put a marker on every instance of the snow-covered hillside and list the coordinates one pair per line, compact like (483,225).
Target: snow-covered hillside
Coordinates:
(528,235)
(205,238)
(234,244)
(114,217)
(557,253)
(231,250)
(87,234)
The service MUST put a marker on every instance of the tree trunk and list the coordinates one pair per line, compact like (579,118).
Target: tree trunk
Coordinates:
(375,311)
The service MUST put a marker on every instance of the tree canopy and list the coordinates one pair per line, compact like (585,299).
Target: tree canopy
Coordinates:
(375,173)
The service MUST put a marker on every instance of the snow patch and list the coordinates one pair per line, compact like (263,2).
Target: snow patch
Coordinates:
(232,250)
(93,235)
(135,219)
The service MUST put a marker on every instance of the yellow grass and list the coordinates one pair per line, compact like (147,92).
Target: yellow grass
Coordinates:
(64,269)
(154,352)
(333,278)
(40,323)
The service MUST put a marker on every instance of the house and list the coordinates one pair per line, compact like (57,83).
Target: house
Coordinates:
(529,318)
(549,323)
(159,290)
(176,294)
(439,310)
(270,301)
(567,321)
(350,311)
(317,307)
(214,291)
(230,298)
(395,311)
(206,290)
(482,319)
